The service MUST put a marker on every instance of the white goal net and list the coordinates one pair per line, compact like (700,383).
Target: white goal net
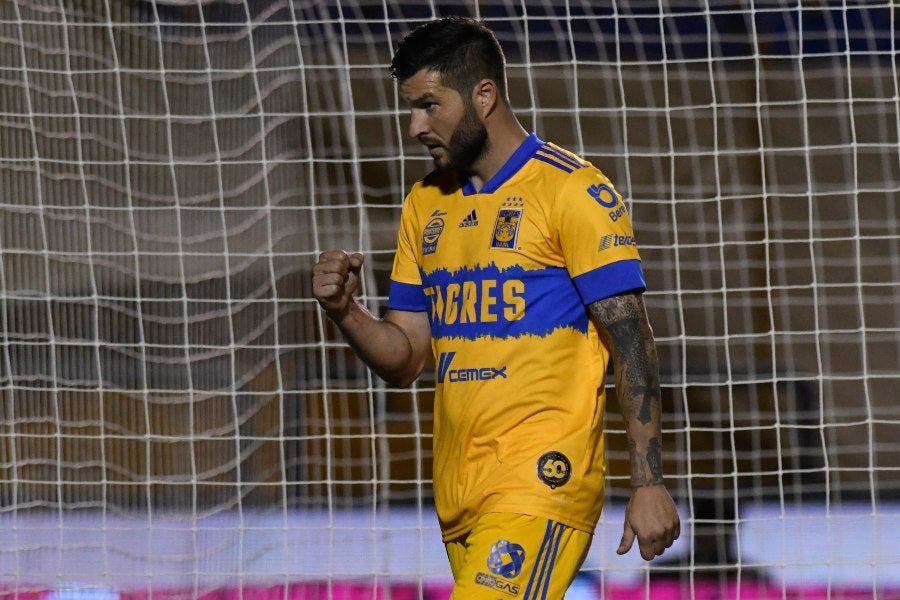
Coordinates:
(178,420)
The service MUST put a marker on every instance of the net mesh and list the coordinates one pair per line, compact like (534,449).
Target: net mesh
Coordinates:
(170,170)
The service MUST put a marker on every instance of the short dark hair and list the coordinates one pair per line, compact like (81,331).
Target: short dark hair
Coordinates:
(464,51)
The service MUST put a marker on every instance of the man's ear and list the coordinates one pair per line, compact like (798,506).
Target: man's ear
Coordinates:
(484,97)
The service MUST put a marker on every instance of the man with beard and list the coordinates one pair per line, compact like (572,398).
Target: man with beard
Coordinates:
(517,273)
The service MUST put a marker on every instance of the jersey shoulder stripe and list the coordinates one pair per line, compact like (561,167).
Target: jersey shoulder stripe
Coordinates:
(564,155)
(553,155)
(553,162)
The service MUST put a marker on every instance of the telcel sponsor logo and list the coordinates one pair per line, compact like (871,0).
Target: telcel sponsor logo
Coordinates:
(613,240)
(448,375)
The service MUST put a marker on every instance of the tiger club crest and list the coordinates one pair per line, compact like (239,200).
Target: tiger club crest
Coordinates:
(506,227)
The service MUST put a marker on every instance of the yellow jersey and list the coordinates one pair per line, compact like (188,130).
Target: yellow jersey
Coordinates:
(505,274)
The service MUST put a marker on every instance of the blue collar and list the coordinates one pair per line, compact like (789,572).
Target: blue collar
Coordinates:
(518,159)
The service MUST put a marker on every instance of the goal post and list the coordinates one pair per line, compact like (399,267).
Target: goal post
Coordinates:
(177,416)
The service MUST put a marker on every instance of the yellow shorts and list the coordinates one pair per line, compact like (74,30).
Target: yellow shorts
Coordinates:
(514,556)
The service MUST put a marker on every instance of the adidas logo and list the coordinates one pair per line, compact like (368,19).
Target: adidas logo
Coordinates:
(471,220)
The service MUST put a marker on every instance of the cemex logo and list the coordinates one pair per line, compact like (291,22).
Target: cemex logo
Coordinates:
(447,375)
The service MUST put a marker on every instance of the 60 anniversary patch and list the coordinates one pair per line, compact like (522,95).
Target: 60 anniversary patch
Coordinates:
(554,469)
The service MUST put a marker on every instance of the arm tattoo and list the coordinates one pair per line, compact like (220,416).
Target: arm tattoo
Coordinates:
(654,460)
(636,367)
(632,362)
(641,464)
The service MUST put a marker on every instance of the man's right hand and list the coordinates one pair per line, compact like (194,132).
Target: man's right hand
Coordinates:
(397,347)
(335,279)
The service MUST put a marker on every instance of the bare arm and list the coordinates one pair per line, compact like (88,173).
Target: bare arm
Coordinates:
(396,347)
(651,515)
(636,369)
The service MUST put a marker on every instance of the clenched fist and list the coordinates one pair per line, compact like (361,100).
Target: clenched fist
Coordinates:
(335,279)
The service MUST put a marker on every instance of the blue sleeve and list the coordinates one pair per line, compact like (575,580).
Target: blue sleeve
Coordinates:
(609,280)
(406,296)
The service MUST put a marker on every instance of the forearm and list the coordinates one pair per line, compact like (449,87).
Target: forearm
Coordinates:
(395,347)
(379,343)
(636,368)
(637,389)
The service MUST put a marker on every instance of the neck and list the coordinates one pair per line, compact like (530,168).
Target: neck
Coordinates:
(503,140)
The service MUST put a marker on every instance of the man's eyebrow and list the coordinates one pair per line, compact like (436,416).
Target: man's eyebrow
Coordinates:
(421,99)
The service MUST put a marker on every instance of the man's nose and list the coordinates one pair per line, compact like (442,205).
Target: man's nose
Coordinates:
(418,124)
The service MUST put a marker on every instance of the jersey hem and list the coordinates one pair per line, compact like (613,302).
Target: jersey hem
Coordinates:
(461,531)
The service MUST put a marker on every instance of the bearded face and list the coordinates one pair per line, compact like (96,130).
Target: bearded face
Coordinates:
(444,121)
(468,142)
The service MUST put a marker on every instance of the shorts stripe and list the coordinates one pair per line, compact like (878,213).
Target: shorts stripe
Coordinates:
(543,566)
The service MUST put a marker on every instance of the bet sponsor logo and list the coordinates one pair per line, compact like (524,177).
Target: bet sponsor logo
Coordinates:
(604,195)
(615,215)
(607,198)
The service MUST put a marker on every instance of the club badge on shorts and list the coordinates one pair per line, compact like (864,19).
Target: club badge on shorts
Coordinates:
(506,559)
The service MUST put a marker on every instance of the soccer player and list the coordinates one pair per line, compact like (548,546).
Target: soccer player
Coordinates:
(518,274)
